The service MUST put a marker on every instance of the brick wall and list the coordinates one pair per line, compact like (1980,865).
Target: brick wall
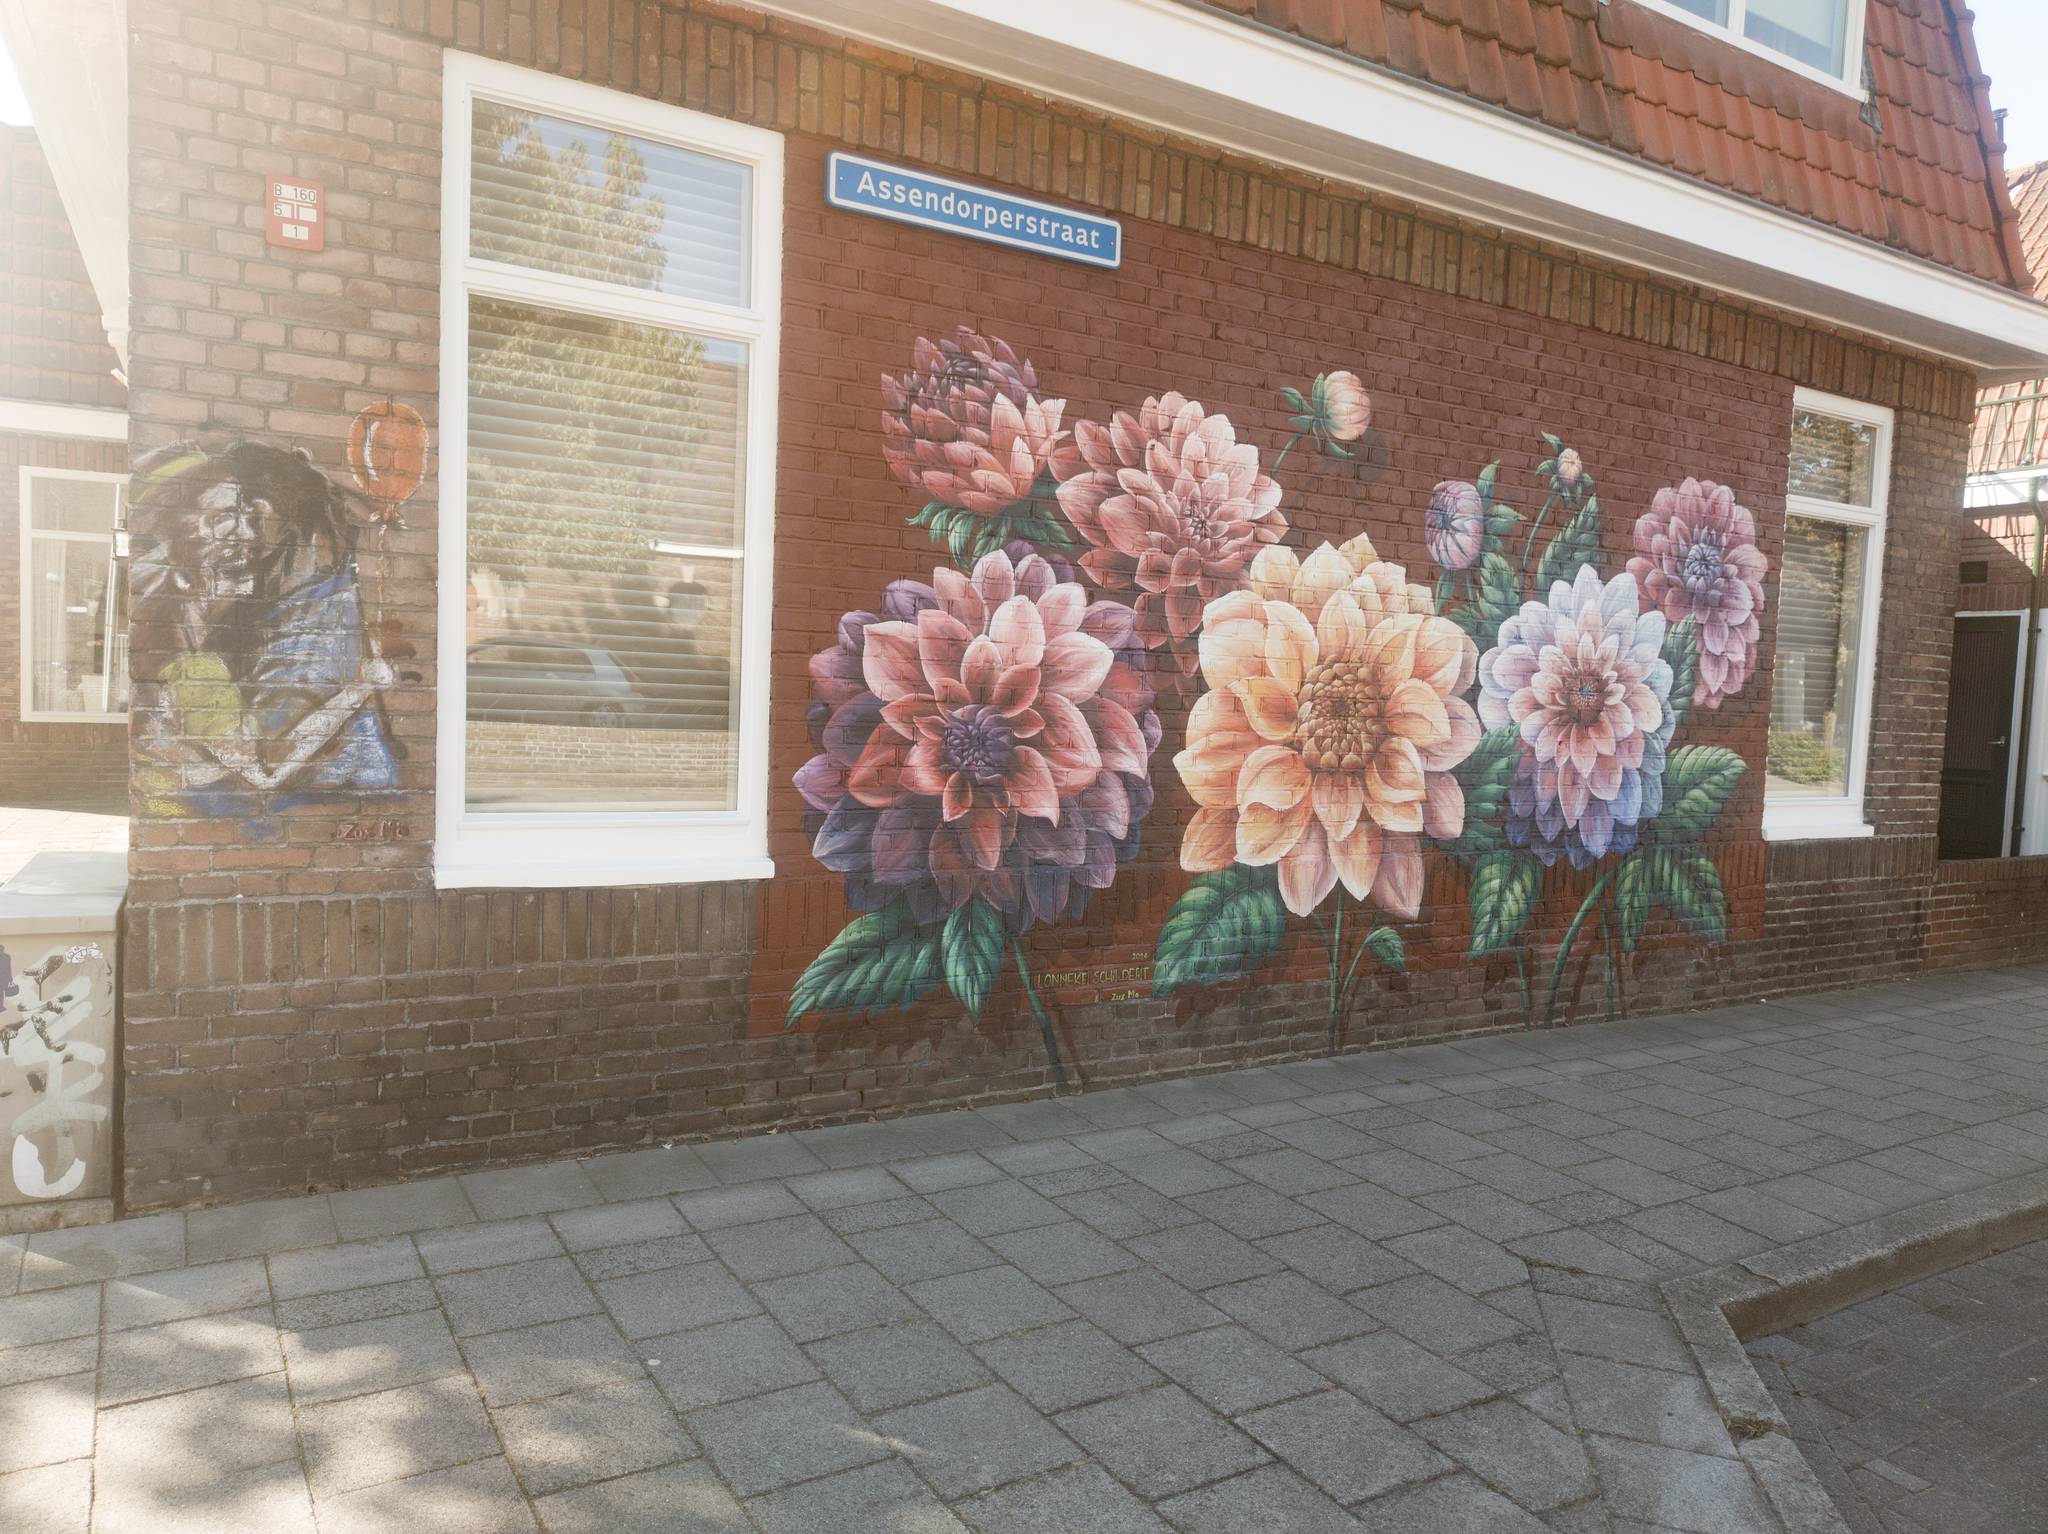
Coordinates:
(304,1008)
(1988,912)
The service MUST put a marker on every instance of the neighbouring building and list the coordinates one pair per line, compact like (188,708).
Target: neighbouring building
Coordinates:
(696,567)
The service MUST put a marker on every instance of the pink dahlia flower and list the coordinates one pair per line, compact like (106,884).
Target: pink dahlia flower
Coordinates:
(1172,506)
(987,735)
(1583,681)
(1454,527)
(1696,557)
(1344,409)
(966,425)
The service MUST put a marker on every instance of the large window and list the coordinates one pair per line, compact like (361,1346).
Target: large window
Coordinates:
(74,592)
(1828,586)
(609,328)
(1821,38)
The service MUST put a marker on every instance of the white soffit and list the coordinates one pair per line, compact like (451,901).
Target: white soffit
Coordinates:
(1201,75)
(72,56)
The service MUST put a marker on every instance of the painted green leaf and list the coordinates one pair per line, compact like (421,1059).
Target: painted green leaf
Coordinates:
(1578,544)
(1488,477)
(1484,776)
(1494,595)
(880,962)
(1501,520)
(1225,926)
(1697,783)
(1385,944)
(1504,890)
(1555,443)
(1635,894)
(1691,891)
(1682,653)
(971,949)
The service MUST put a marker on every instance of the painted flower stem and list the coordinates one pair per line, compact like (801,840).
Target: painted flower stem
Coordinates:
(1052,1045)
(1535,531)
(1528,999)
(1607,933)
(1281,456)
(1336,953)
(1571,936)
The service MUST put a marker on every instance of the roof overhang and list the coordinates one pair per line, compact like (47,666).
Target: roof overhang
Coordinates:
(1198,74)
(73,63)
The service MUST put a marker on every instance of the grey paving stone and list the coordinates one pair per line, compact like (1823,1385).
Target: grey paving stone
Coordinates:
(1083,1499)
(1202,1255)
(1401,1172)
(675,1299)
(593,1435)
(86,1253)
(1372,1211)
(956,1130)
(1695,1493)
(1401,1378)
(179,1294)
(170,1452)
(1126,1210)
(849,1145)
(364,1214)
(883,1498)
(520,1294)
(777,1248)
(812,1306)
(1062,1254)
(1070,1364)
(45,1421)
(1456,1504)
(47,1360)
(625,1261)
(479,1495)
(841,1190)
(254,1229)
(354,1265)
(1289,1311)
(1655,1405)
(46,1317)
(1337,1258)
(358,1357)
(1161,1441)
(1178,1173)
(1270,1500)
(391,1434)
(1089,1176)
(1427,1310)
(51,1499)
(1343,1445)
(682,1498)
(1251,1210)
(963,1444)
(927,1249)
(718,1208)
(182,1355)
(757,1157)
(1291,1172)
(725,1362)
(487,1244)
(890,1366)
(989,1209)
(1457,1256)
(648,1173)
(855,1218)
(619,1224)
(987,1303)
(537,1361)
(1231,1369)
(1620,1332)
(1029,1156)
(1494,1215)
(504,1195)
(270,1497)
(792,1435)
(1693,1231)
(1141,1306)
(1515,1452)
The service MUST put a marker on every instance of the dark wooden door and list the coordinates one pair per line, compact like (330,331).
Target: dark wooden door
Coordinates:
(1978,749)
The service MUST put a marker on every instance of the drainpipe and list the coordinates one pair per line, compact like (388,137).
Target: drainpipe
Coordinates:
(2019,777)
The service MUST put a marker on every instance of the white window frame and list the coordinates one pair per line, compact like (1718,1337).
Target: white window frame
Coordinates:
(1808,818)
(110,541)
(482,849)
(1849,82)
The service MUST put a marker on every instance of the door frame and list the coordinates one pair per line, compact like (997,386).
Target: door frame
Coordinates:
(2032,835)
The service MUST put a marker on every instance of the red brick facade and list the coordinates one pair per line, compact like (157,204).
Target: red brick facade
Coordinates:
(304,1008)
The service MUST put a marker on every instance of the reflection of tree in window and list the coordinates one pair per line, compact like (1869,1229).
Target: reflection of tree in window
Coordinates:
(1812,656)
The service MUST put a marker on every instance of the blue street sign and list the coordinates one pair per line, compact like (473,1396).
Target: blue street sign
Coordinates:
(861,185)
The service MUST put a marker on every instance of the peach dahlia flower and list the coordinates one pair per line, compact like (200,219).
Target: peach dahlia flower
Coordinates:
(1326,740)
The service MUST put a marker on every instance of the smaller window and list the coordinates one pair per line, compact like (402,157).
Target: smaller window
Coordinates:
(74,597)
(1822,39)
(1975,572)
(1828,587)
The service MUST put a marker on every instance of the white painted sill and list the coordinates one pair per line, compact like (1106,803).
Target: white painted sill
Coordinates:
(1802,823)
(496,874)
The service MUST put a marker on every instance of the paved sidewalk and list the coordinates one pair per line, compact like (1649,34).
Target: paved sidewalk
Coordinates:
(1393,1292)
(1925,1411)
(25,832)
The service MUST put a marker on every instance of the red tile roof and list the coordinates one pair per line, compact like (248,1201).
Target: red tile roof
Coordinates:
(2012,423)
(52,348)
(1928,181)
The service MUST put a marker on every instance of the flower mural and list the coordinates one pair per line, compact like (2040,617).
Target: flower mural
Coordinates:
(1696,557)
(982,741)
(1173,507)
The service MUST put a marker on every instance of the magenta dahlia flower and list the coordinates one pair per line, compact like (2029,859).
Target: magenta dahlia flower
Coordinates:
(966,425)
(1583,680)
(1696,557)
(1173,507)
(986,735)
(1454,527)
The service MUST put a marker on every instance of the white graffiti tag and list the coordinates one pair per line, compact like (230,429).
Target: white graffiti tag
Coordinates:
(64,1070)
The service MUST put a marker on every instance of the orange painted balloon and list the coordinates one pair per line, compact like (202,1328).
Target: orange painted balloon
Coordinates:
(387,451)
